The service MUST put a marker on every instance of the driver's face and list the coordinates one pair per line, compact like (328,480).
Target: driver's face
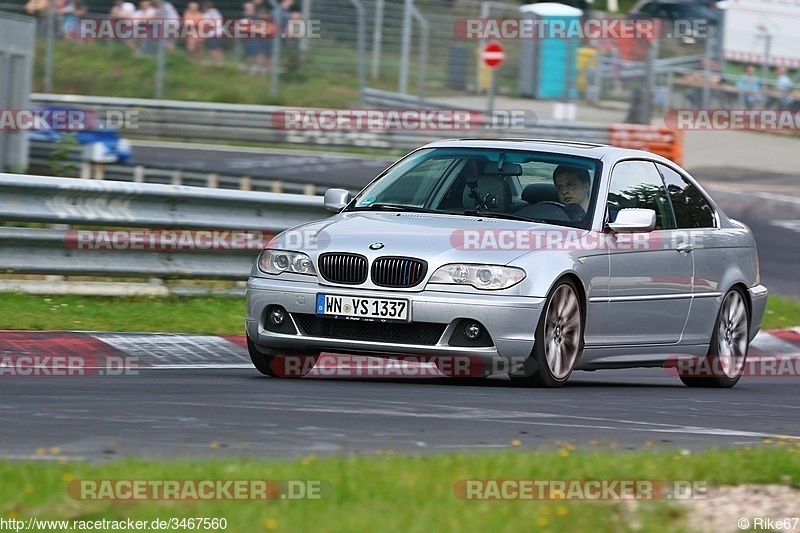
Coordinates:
(571,190)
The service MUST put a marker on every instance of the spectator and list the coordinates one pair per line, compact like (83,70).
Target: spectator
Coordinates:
(288,16)
(267,39)
(34,7)
(39,8)
(142,16)
(191,19)
(214,44)
(168,10)
(252,45)
(72,29)
(122,10)
(169,15)
(749,88)
(784,85)
(698,79)
(67,15)
(285,14)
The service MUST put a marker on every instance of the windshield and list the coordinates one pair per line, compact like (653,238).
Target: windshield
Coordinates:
(513,184)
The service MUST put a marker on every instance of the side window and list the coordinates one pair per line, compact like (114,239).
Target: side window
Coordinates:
(691,209)
(637,184)
(415,188)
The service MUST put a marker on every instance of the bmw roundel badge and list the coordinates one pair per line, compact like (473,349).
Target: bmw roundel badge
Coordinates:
(376,246)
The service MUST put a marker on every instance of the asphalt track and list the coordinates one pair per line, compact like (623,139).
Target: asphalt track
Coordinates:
(197,396)
(324,169)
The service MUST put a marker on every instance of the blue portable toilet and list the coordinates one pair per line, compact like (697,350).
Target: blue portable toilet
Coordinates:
(549,62)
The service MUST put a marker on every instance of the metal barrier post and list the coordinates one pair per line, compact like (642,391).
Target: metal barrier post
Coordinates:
(276,52)
(423,51)
(160,66)
(377,38)
(405,47)
(360,38)
(48,61)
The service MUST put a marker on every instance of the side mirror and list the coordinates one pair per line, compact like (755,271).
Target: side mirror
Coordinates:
(337,199)
(634,220)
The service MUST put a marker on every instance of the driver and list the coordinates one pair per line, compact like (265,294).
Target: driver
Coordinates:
(572,184)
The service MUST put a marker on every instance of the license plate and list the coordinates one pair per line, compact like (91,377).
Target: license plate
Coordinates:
(353,307)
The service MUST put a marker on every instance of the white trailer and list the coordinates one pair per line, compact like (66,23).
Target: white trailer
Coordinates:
(754,29)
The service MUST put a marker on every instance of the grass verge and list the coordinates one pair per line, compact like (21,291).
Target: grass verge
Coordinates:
(223,315)
(781,313)
(401,493)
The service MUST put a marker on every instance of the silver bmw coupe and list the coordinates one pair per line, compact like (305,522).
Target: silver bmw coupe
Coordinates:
(522,257)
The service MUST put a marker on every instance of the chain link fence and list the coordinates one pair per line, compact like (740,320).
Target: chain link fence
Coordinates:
(438,63)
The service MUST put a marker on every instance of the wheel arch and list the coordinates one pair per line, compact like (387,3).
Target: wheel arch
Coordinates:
(576,280)
(748,304)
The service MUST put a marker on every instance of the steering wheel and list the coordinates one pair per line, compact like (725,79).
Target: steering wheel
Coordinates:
(547,210)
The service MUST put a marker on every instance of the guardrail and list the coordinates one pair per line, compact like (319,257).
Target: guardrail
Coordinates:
(204,121)
(114,205)
(216,122)
(637,69)
(40,161)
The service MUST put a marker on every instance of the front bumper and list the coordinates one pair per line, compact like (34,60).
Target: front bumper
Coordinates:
(509,320)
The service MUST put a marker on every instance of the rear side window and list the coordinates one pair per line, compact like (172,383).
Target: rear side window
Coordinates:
(691,208)
(637,184)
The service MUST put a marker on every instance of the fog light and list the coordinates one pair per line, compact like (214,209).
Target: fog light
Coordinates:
(472,331)
(277,316)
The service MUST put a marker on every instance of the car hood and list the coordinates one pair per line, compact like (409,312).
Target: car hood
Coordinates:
(436,238)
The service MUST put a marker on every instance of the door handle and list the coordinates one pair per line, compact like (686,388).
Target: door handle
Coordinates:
(685,247)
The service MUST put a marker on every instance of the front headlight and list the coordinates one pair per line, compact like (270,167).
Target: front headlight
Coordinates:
(489,277)
(279,261)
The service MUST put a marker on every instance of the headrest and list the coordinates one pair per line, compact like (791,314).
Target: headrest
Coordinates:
(497,187)
(540,192)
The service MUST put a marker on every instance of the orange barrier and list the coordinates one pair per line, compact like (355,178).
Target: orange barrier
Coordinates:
(657,139)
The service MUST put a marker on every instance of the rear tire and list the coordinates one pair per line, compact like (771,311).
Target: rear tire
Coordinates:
(558,340)
(727,353)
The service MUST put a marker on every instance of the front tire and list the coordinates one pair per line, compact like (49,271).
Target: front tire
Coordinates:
(261,361)
(727,353)
(281,364)
(559,340)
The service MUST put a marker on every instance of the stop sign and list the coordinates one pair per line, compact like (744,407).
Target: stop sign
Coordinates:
(493,54)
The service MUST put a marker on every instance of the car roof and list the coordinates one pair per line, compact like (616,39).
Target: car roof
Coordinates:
(558,146)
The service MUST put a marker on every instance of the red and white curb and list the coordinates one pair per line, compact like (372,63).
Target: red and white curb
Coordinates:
(186,351)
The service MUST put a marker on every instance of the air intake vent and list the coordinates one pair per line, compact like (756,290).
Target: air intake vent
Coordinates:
(350,269)
(398,271)
(416,333)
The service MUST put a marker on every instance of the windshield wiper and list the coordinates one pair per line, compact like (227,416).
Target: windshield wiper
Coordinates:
(392,207)
(492,214)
